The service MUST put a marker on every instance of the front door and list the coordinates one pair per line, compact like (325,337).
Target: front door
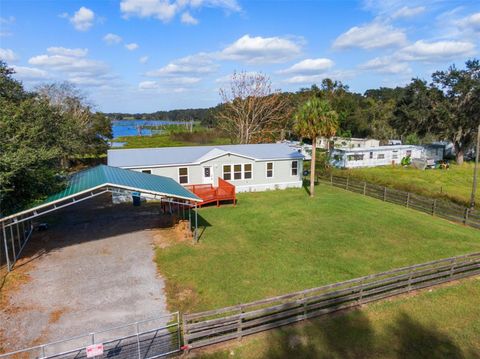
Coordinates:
(208,175)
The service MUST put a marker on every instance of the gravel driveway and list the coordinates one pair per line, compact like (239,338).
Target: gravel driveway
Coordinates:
(92,269)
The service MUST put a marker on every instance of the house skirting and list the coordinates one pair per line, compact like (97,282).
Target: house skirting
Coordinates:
(268,186)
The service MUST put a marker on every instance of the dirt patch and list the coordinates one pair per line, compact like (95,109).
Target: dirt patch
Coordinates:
(166,237)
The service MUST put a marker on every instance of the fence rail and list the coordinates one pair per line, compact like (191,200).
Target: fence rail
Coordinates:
(436,207)
(210,327)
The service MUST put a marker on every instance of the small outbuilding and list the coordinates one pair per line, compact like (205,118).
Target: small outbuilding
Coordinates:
(250,167)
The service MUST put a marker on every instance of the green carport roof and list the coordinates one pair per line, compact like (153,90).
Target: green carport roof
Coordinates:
(106,176)
(103,175)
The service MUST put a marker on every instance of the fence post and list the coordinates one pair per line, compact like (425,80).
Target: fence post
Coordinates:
(454,261)
(239,329)
(347,182)
(305,310)
(408,199)
(434,207)
(384,193)
(185,332)
(364,188)
(410,280)
(331,179)
(465,215)
(138,341)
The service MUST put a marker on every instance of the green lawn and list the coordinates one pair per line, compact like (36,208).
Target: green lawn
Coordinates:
(173,140)
(439,323)
(454,184)
(282,241)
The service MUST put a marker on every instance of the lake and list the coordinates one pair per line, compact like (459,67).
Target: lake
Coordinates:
(122,128)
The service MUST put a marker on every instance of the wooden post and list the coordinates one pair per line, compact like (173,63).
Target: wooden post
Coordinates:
(185,332)
(364,188)
(408,199)
(347,182)
(239,329)
(465,215)
(331,179)
(384,193)
(434,207)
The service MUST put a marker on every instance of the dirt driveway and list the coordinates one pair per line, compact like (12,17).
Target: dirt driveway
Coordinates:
(92,269)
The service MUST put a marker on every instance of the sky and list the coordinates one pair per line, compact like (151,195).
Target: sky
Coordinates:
(148,55)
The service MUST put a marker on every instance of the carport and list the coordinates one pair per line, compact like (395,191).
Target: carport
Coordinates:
(17,228)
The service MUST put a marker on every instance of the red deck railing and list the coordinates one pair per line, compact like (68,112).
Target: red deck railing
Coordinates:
(208,193)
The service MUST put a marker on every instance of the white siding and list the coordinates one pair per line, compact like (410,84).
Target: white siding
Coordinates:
(282,173)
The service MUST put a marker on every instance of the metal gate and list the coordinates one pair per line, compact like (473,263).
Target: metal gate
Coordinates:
(146,339)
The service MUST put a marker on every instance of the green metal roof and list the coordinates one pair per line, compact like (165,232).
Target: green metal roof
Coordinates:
(117,177)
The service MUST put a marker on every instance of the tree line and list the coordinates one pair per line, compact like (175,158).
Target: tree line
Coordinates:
(41,131)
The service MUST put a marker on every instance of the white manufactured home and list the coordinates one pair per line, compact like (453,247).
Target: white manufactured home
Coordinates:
(252,167)
(374,156)
(344,142)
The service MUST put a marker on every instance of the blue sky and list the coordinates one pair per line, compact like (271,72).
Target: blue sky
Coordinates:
(147,55)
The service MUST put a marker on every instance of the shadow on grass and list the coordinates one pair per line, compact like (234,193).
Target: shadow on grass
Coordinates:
(351,335)
(202,225)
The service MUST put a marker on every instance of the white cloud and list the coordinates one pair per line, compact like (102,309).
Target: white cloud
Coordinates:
(406,12)
(7,20)
(193,65)
(166,10)
(340,75)
(29,73)
(371,36)
(471,22)
(147,85)
(256,50)
(436,51)
(112,39)
(187,18)
(309,66)
(386,65)
(83,19)
(8,55)
(71,63)
(67,52)
(132,46)
(143,59)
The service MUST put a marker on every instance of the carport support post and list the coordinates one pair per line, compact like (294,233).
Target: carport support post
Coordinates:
(196,223)
(12,238)
(6,246)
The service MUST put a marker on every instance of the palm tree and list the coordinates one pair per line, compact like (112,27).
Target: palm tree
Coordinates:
(315,118)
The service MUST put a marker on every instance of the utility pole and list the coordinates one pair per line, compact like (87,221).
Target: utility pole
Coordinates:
(475,170)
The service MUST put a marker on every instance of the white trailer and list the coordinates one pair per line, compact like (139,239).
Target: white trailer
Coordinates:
(374,156)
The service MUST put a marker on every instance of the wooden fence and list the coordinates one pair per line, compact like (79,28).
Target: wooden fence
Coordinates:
(435,207)
(210,327)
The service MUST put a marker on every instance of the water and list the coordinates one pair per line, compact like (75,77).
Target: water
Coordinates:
(122,128)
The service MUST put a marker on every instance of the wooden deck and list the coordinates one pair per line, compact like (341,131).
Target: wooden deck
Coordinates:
(210,194)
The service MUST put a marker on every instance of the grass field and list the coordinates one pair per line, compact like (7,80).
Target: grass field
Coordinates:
(198,138)
(443,322)
(454,183)
(282,241)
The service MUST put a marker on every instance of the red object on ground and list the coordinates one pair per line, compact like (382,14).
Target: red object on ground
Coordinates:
(224,192)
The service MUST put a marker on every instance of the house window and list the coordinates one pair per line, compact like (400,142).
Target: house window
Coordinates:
(227,172)
(237,172)
(247,171)
(395,155)
(381,156)
(147,171)
(371,155)
(294,168)
(183,175)
(269,169)
(355,157)
(409,152)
